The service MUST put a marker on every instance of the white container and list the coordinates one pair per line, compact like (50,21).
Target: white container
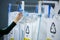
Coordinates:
(53,27)
(29,26)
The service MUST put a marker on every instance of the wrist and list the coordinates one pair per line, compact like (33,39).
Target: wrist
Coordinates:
(15,21)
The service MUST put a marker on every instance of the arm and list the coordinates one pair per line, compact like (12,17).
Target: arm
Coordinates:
(11,26)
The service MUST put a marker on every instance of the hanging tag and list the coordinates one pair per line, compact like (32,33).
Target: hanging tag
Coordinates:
(48,38)
(12,38)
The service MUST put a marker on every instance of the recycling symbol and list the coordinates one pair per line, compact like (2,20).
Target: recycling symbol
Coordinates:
(53,28)
(27,30)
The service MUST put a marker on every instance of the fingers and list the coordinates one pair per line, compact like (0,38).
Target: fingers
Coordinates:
(18,17)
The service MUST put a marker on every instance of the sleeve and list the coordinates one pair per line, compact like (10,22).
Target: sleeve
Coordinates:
(1,35)
(7,30)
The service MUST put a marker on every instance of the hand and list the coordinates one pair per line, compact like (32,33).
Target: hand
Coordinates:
(18,17)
